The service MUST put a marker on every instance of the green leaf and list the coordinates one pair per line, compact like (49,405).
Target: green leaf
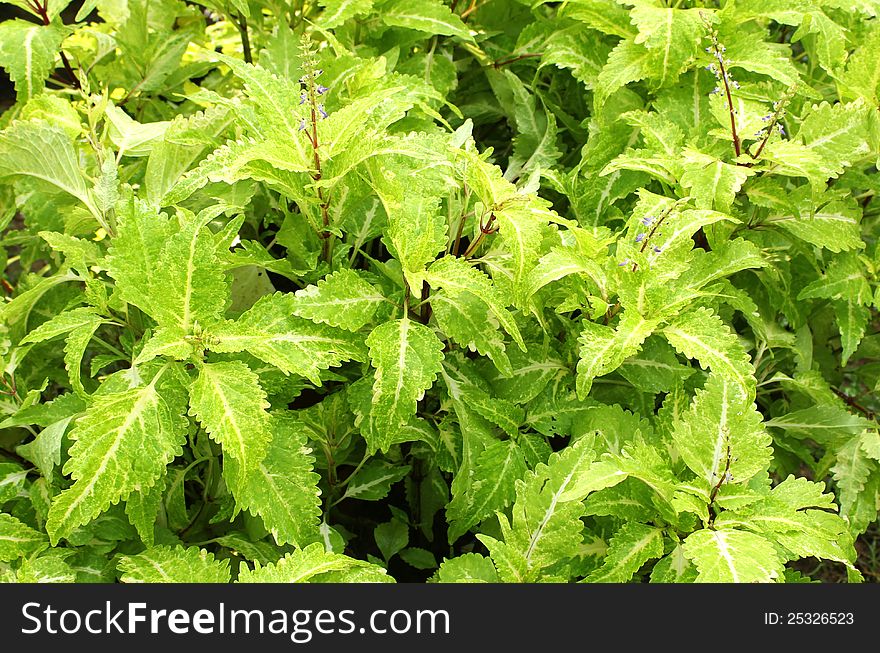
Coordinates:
(18,540)
(454,276)
(142,510)
(165,564)
(852,321)
(631,547)
(283,489)
(391,537)
(749,51)
(546,527)
(851,471)
(490,488)
(337,12)
(45,449)
(834,226)
(417,233)
(732,556)
(313,564)
(822,423)
(577,50)
(374,480)
(188,287)
(74,350)
(466,319)
(228,401)
(120,445)
(45,153)
(862,75)
(668,36)
(64,323)
(702,335)
(430,16)
(342,299)
(713,183)
(603,349)
(134,253)
(270,331)
(721,438)
(407,357)
(467,568)
(628,62)
(27,52)
(836,132)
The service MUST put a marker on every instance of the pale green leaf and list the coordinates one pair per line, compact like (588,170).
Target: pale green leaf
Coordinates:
(27,52)
(631,547)
(343,299)
(313,564)
(455,275)
(721,438)
(188,285)
(166,564)
(45,153)
(733,556)
(120,445)
(713,183)
(407,357)
(271,331)
(430,16)
(283,489)
(18,540)
(228,401)
(702,335)
(603,349)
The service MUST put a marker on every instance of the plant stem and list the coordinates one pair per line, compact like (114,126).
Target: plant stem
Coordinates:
(324,202)
(734,135)
(507,62)
(42,11)
(241,24)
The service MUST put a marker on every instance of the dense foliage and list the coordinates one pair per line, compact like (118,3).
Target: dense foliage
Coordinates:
(478,290)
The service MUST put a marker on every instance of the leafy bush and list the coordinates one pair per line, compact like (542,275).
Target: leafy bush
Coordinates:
(398,289)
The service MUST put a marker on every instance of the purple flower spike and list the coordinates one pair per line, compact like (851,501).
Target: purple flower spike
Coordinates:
(640,237)
(321,111)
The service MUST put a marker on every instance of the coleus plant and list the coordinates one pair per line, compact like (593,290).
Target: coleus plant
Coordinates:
(465,292)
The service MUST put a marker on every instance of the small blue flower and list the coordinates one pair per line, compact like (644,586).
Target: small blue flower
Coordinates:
(302,124)
(781,130)
(640,237)
(302,97)
(716,90)
(320,90)
(657,250)
(624,262)
(321,111)
(647,220)
(767,118)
